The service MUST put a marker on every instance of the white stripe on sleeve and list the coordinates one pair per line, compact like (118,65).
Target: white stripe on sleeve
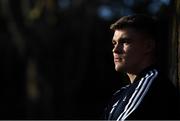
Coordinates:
(135,105)
(138,94)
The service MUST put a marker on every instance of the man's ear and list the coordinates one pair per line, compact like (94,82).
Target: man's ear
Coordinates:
(150,45)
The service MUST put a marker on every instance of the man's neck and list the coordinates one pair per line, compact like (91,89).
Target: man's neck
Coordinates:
(132,74)
(131,77)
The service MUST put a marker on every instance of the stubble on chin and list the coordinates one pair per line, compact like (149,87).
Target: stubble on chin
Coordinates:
(118,67)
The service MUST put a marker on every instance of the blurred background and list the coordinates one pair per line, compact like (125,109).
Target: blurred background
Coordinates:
(56,55)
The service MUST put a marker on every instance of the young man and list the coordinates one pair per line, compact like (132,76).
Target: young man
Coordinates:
(150,95)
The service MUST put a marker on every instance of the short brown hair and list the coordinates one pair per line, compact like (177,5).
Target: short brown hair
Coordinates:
(140,22)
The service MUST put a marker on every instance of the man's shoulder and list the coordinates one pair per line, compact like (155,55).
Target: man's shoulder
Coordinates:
(162,96)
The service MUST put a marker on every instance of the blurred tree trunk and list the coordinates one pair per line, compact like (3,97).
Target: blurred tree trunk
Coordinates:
(178,37)
(174,45)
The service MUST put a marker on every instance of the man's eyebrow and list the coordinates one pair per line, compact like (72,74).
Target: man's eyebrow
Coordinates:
(124,37)
(121,38)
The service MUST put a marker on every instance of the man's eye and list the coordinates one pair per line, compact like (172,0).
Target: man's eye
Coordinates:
(126,41)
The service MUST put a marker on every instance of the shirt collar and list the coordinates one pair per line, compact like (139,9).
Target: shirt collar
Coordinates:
(145,71)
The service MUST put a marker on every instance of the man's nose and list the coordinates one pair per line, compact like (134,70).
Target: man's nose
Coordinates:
(117,49)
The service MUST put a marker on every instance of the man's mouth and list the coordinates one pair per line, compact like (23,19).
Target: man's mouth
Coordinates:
(117,59)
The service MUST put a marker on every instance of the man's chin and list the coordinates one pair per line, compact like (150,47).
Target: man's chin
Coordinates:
(118,68)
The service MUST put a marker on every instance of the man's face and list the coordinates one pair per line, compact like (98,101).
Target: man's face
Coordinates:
(129,50)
